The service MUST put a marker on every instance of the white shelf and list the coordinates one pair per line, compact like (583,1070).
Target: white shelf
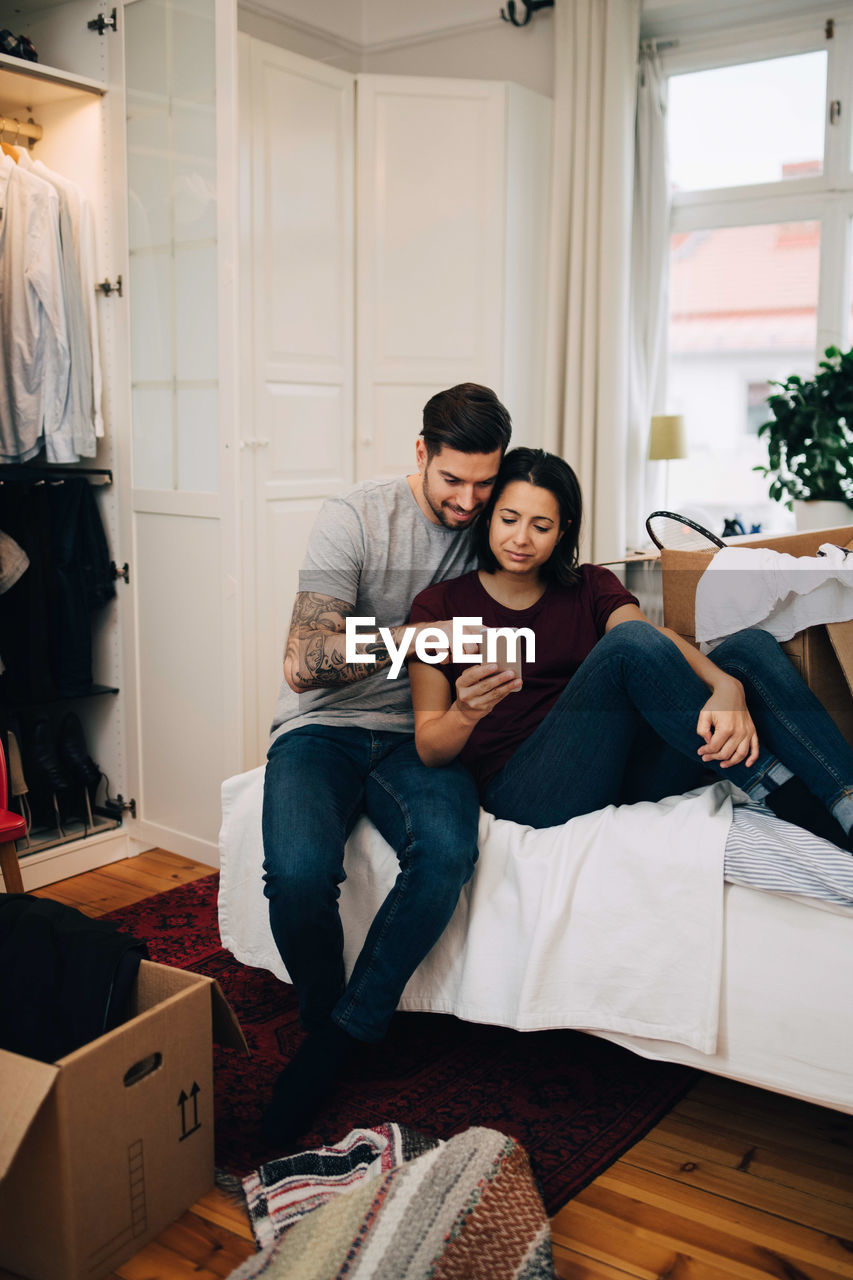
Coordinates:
(33,84)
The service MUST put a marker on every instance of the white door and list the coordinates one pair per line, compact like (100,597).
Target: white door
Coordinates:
(180,78)
(297,335)
(430,284)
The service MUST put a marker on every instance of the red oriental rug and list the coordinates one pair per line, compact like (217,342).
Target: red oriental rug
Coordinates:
(575,1103)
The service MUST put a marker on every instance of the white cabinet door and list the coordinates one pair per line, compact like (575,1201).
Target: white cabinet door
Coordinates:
(180,77)
(297,341)
(431,216)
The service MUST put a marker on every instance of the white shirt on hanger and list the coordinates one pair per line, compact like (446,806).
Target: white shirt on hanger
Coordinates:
(34,351)
(83,226)
(75,437)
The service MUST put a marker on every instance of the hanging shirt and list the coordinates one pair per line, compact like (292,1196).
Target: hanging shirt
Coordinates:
(35,359)
(76,436)
(83,226)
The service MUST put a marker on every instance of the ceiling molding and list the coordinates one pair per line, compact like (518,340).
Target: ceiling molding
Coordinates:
(305,28)
(426,37)
(268,9)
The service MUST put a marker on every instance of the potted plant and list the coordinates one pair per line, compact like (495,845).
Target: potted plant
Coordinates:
(810,443)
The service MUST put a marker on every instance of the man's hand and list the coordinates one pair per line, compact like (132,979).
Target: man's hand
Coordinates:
(726,725)
(479,689)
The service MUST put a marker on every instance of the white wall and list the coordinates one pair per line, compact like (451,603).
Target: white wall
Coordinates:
(493,51)
(387,20)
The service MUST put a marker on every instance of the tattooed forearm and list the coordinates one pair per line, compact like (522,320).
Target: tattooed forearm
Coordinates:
(315,656)
(313,612)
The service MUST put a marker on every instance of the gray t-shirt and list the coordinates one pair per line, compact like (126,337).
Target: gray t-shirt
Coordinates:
(376,549)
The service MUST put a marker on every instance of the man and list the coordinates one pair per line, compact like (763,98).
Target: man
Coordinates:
(343,745)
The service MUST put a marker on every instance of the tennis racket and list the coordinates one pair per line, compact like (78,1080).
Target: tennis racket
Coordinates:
(677,533)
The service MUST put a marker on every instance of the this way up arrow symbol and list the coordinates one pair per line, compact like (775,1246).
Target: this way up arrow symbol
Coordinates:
(183,1099)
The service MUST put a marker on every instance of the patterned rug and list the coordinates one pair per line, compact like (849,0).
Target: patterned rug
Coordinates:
(574,1102)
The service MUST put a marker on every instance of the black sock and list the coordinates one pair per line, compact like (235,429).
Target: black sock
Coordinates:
(793,802)
(306,1082)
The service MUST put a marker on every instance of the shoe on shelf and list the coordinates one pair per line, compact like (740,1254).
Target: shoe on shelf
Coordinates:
(42,763)
(48,780)
(74,754)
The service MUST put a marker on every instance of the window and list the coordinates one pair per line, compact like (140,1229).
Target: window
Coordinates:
(760,249)
(741,125)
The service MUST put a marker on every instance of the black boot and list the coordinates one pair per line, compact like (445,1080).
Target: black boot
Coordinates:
(74,755)
(305,1083)
(48,780)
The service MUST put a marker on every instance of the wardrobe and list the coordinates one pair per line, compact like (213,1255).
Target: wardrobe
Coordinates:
(136,105)
(291,260)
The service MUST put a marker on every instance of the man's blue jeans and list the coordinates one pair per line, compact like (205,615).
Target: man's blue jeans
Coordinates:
(319,780)
(624,729)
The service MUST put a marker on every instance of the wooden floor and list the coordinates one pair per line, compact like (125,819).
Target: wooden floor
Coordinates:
(734,1182)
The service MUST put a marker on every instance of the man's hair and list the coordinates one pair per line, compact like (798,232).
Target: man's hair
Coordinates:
(546,471)
(469,418)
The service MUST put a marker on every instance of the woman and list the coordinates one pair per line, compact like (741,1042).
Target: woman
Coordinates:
(613,708)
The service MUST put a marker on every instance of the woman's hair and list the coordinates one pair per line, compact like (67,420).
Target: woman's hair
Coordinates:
(546,471)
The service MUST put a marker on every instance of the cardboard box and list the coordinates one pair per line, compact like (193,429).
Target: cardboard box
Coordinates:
(823,654)
(101,1150)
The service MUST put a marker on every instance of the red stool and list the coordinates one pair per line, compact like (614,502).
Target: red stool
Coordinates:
(12,828)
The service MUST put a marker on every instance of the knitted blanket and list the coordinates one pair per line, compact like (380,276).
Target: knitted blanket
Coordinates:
(390,1204)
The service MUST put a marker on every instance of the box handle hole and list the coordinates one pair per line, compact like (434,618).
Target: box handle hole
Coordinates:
(141,1069)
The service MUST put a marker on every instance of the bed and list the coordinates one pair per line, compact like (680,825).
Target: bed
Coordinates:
(620,923)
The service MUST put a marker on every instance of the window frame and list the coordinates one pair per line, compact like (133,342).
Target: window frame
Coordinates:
(826,199)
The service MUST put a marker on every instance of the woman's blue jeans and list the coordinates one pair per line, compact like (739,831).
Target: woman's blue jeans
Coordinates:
(319,779)
(624,729)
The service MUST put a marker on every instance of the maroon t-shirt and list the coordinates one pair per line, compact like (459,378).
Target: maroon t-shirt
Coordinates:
(567,623)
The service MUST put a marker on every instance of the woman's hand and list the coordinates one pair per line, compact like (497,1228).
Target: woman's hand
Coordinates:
(480,688)
(726,725)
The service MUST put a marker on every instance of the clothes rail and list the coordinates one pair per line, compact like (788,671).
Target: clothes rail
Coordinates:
(21,129)
(24,471)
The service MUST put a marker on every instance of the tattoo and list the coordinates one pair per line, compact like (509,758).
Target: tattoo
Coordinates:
(315,656)
(313,612)
(315,652)
(379,648)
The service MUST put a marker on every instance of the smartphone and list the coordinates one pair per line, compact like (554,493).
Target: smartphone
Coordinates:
(502,657)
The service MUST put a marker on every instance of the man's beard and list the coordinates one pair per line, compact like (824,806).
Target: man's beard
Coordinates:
(443,513)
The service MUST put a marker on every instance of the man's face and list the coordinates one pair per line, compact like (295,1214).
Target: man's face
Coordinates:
(456,486)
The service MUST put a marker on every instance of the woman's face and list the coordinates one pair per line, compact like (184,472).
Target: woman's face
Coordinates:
(525,527)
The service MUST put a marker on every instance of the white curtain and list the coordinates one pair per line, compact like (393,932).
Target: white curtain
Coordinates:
(588,315)
(649,296)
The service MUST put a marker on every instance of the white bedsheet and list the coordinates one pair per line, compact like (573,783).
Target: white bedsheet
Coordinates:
(783,993)
(612,922)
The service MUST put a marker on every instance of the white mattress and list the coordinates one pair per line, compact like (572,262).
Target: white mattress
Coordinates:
(747,984)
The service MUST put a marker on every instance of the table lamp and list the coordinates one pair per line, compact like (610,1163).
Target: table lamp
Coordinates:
(667,440)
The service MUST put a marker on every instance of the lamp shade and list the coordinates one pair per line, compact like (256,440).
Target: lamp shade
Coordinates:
(667,438)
